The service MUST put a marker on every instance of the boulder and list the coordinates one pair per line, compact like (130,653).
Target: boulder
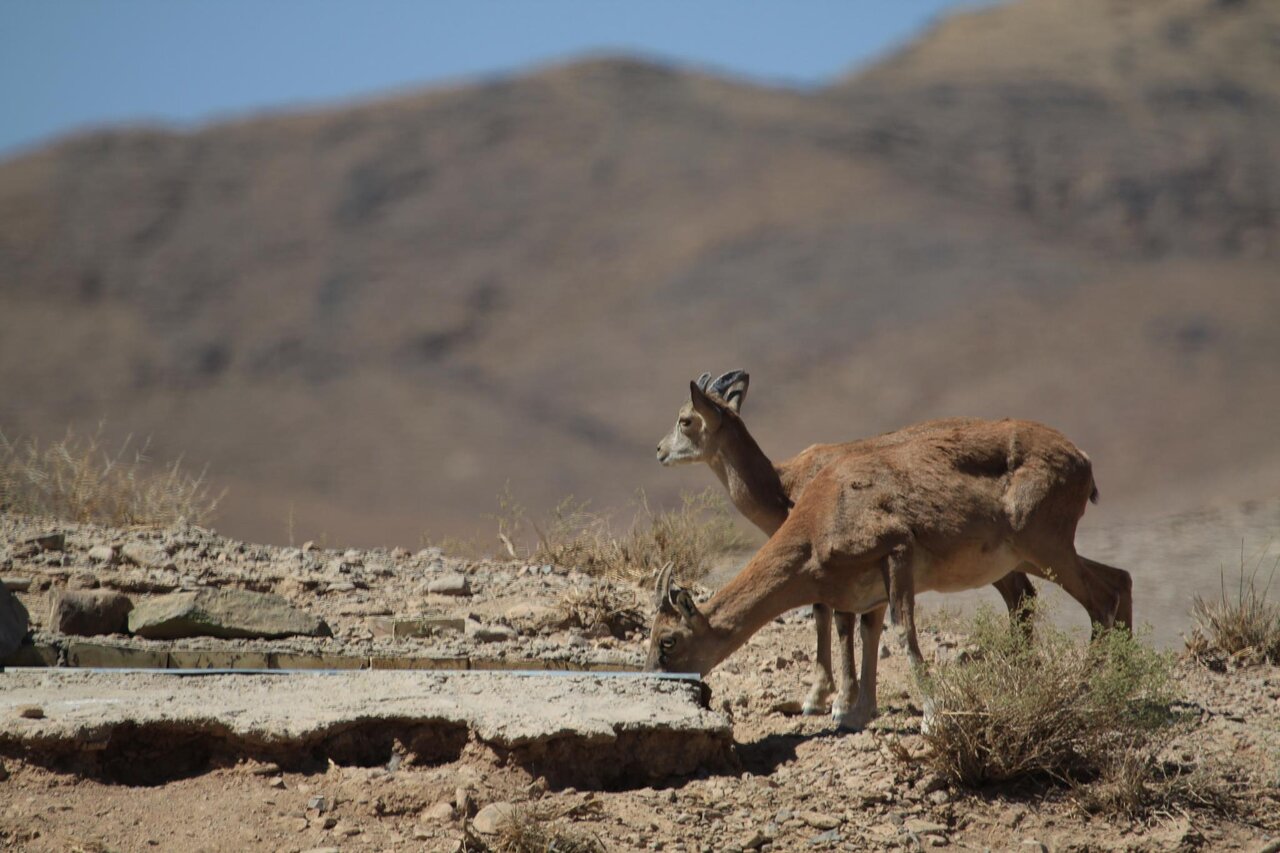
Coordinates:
(482,633)
(14,621)
(104,554)
(224,613)
(490,819)
(450,584)
(536,617)
(90,612)
(145,556)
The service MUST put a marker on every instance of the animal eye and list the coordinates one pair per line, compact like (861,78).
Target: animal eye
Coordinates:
(667,643)
(686,422)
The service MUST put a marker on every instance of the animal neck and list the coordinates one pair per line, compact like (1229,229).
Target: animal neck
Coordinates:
(770,585)
(750,478)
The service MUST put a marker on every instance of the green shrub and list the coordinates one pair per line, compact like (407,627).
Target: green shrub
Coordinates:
(1048,708)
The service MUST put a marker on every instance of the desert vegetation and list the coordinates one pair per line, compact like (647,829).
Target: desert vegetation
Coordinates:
(689,537)
(1238,628)
(1050,709)
(80,479)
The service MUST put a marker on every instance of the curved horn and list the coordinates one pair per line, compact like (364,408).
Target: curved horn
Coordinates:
(732,388)
(662,589)
(702,381)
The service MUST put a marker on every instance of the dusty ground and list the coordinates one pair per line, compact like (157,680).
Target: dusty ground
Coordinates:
(797,784)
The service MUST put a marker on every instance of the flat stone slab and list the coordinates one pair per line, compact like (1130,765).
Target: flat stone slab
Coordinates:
(223,613)
(589,729)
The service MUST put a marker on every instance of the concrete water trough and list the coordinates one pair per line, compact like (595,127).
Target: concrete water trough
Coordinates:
(146,726)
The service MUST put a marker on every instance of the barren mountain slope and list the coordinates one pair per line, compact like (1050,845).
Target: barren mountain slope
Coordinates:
(1138,125)
(378,315)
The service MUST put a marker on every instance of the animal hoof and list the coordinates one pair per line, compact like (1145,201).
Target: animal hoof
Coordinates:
(852,721)
(927,719)
(813,709)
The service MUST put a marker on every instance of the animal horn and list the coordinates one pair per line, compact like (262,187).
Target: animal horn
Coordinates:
(662,588)
(702,381)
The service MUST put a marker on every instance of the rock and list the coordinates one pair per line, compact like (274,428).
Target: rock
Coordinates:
(450,584)
(441,812)
(819,820)
(16,584)
(90,612)
(831,836)
(924,827)
(144,555)
(537,617)
(103,554)
(31,712)
(277,783)
(489,820)
(268,769)
(223,613)
(489,633)
(82,580)
(754,841)
(56,541)
(14,622)
(318,804)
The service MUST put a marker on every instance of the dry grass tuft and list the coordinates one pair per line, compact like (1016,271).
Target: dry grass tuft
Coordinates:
(1044,709)
(688,537)
(529,830)
(601,609)
(1134,783)
(1237,631)
(77,479)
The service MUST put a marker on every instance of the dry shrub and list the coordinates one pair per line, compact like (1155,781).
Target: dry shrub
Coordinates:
(528,830)
(602,609)
(574,535)
(77,479)
(1237,631)
(1134,782)
(1047,708)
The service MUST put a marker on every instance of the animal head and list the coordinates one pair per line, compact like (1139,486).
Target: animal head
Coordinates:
(678,641)
(696,434)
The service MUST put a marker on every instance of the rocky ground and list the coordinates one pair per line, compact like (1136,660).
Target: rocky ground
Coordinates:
(795,782)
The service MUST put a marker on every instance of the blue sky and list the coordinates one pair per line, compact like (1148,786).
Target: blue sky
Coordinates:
(70,64)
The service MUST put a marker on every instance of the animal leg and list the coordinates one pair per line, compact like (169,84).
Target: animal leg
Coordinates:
(823,685)
(864,710)
(1103,591)
(902,612)
(1019,596)
(1113,592)
(848,681)
(902,601)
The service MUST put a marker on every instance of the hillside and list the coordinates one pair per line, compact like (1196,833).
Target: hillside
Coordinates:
(372,318)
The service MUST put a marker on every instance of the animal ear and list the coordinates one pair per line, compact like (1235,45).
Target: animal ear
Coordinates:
(732,388)
(686,607)
(708,408)
(662,590)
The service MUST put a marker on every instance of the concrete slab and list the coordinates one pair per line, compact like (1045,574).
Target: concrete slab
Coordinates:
(601,730)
